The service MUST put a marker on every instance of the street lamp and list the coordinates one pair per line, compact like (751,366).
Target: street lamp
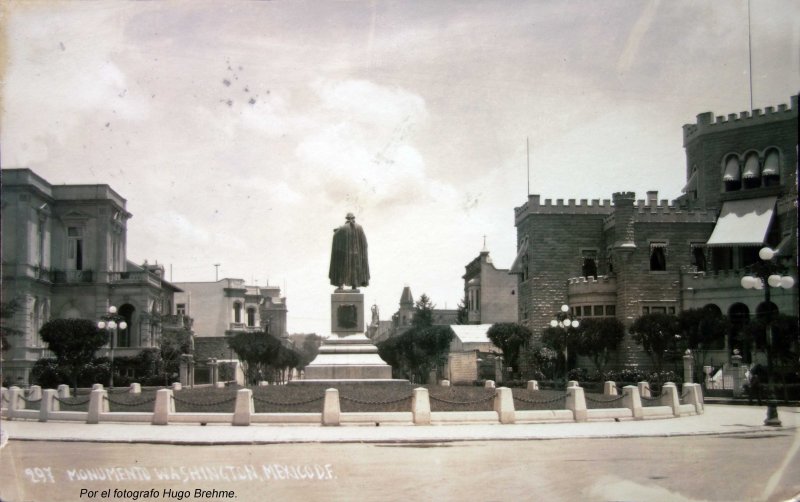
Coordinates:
(564,321)
(112,323)
(766,275)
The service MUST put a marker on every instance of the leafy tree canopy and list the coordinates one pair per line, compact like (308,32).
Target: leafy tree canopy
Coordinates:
(598,337)
(423,312)
(510,337)
(655,333)
(74,343)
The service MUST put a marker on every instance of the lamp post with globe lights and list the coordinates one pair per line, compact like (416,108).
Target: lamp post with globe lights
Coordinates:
(564,321)
(766,274)
(112,323)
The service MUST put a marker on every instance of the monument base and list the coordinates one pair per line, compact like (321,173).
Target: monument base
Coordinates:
(351,358)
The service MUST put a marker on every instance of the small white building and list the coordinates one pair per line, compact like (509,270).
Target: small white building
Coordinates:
(472,355)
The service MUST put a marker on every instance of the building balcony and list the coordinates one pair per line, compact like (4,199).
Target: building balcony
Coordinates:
(72,276)
(139,277)
(176,321)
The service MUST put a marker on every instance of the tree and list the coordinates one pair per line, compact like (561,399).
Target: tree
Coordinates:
(74,343)
(252,348)
(462,314)
(510,337)
(656,334)
(598,338)
(417,352)
(423,312)
(561,340)
(703,328)
(7,311)
(174,343)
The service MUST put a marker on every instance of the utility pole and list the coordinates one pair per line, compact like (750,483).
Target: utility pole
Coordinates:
(216,272)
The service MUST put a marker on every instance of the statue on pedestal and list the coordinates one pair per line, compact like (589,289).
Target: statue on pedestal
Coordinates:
(349,264)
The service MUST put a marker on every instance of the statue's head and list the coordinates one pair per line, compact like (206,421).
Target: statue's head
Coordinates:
(350,217)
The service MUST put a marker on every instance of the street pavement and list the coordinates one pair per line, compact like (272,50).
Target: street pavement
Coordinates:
(717,420)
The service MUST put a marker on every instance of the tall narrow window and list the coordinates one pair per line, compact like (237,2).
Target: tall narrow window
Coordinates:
(658,256)
(75,248)
(237,312)
(589,266)
(772,169)
(251,317)
(751,177)
(732,176)
(699,257)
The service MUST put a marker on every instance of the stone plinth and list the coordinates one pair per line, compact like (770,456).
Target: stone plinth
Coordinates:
(348,354)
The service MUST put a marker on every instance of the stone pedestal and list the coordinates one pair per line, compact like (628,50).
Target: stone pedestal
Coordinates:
(348,354)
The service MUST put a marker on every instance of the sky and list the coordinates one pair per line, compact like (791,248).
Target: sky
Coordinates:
(242,133)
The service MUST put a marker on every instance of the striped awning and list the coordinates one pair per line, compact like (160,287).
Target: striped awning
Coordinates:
(751,168)
(771,165)
(743,222)
(732,170)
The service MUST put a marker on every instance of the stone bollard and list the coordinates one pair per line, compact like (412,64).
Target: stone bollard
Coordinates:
(3,397)
(176,386)
(610,388)
(533,385)
(504,405)
(98,403)
(421,406)
(97,386)
(48,404)
(671,398)
(739,372)
(16,401)
(135,388)
(331,411)
(632,401)
(445,383)
(644,389)
(35,393)
(244,407)
(694,395)
(219,385)
(263,383)
(688,366)
(489,384)
(576,401)
(573,383)
(165,405)
(63,391)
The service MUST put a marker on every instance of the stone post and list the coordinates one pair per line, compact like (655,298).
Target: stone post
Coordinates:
(213,366)
(244,407)
(694,395)
(445,383)
(3,397)
(632,401)
(573,383)
(16,401)
(135,388)
(489,384)
(738,374)
(163,407)
(533,385)
(185,364)
(688,367)
(35,393)
(504,405)
(98,403)
(331,412)
(671,398)
(644,389)
(48,404)
(421,406)
(610,388)
(63,391)
(176,386)
(263,383)
(97,386)
(576,401)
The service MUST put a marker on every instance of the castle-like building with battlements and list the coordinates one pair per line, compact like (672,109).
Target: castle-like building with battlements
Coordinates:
(626,257)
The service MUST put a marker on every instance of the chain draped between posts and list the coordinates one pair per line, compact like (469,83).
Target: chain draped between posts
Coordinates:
(216,403)
(31,400)
(135,403)
(462,403)
(393,401)
(608,400)
(277,403)
(69,401)
(541,401)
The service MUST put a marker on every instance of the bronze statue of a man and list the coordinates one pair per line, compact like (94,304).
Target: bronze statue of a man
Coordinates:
(349,264)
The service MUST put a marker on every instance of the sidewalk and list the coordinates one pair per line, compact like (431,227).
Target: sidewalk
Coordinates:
(717,420)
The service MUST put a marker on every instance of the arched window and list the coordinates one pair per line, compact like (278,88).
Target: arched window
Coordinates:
(732,177)
(712,309)
(752,172)
(766,311)
(739,314)
(237,312)
(771,173)
(251,316)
